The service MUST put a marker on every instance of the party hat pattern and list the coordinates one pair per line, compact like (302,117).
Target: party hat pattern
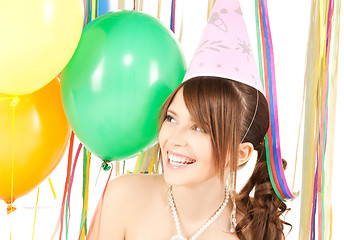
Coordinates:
(225,50)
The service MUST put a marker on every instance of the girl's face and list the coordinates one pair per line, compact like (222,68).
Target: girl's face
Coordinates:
(186,148)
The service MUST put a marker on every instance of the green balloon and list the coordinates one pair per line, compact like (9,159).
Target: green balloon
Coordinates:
(125,66)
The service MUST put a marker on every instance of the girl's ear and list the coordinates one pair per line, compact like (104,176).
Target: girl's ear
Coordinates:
(245,152)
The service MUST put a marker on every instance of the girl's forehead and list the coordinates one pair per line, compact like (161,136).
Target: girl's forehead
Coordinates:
(178,107)
(178,101)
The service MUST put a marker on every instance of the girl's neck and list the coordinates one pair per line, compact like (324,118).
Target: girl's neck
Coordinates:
(196,204)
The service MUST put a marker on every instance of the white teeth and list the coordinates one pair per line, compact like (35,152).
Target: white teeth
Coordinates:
(178,160)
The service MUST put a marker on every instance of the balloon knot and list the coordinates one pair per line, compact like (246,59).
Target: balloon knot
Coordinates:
(106,166)
(10,209)
(15,101)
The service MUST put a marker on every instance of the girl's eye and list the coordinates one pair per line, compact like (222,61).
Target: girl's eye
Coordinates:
(169,118)
(199,129)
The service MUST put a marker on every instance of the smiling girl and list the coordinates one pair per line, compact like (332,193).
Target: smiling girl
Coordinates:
(206,133)
(208,128)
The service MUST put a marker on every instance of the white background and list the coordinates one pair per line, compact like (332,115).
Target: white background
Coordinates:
(289,26)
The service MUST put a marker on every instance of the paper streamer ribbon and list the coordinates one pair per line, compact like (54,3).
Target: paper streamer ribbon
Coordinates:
(321,82)
(272,139)
(69,164)
(85,190)
(52,188)
(10,208)
(99,206)
(34,220)
(173,15)
(147,161)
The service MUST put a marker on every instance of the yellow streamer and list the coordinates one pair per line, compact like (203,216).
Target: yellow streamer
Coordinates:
(141,5)
(52,188)
(210,7)
(138,162)
(181,24)
(136,4)
(315,81)
(85,205)
(34,220)
(14,103)
(117,168)
(153,160)
(331,221)
(159,9)
(309,140)
(331,123)
(93,12)
(121,5)
(56,227)
(154,155)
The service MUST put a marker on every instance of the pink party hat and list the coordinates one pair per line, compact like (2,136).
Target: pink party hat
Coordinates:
(225,50)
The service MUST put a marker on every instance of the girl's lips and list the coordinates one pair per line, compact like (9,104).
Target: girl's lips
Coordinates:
(180,155)
(178,161)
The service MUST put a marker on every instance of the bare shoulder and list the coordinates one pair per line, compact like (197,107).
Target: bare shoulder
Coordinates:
(124,197)
(136,180)
(130,191)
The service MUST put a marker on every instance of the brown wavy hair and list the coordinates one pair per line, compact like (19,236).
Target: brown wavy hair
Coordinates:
(225,109)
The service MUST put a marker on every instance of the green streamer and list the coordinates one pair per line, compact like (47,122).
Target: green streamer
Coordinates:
(268,161)
(259,45)
(83,187)
(123,167)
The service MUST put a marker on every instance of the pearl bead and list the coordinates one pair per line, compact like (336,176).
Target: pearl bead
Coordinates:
(179,235)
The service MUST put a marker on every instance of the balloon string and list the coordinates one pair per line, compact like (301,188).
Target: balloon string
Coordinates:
(70,186)
(52,188)
(71,143)
(99,206)
(34,220)
(100,169)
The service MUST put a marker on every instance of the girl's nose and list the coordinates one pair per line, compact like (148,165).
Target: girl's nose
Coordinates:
(178,137)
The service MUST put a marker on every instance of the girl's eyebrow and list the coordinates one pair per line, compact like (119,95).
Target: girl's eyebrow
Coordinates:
(175,114)
(171,111)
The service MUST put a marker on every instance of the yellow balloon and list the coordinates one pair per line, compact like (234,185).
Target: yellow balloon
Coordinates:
(38,38)
(34,135)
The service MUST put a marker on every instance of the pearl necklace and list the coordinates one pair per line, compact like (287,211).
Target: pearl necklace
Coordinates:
(179,235)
